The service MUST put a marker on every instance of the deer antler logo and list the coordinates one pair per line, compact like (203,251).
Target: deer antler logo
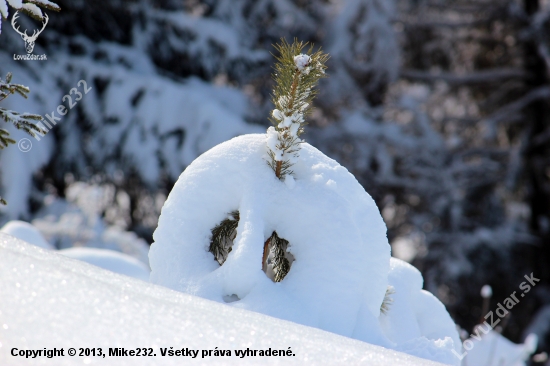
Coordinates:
(29,40)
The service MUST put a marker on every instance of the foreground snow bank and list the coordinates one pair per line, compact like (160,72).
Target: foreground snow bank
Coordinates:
(48,300)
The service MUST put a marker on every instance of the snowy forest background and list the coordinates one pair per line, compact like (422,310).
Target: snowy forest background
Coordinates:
(439,108)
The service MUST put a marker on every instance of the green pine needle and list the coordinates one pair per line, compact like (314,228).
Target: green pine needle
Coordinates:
(277,248)
(21,121)
(296,75)
(223,235)
(386,303)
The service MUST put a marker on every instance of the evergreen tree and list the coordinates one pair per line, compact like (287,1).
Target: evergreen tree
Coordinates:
(296,74)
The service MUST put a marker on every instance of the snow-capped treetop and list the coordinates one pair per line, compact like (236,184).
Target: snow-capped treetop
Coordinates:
(296,74)
(301,61)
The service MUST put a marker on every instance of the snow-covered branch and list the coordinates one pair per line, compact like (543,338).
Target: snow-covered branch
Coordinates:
(30,7)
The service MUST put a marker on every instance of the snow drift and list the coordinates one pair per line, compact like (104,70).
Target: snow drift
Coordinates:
(48,300)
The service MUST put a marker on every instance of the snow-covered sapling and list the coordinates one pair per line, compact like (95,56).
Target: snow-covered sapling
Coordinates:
(296,75)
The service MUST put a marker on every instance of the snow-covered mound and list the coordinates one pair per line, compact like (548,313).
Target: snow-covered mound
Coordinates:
(27,232)
(417,321)
(104,258)
(336,234)
(109,260)
(48,300)
(492,349)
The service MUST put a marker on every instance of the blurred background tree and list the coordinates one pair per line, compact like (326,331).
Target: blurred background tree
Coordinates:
(439,108)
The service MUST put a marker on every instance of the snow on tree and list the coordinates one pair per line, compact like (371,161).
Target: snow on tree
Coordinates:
(235,176)
(296,74)
(416,317)
(21,121)
(314,252)
(30,7)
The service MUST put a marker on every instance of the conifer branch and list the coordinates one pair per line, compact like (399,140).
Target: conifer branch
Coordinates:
(21,121)
(29,7)
(223,235)
(386,303)
(296,74)
(275,249)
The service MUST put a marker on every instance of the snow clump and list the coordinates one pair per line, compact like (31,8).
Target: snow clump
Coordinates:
(341,268)
(301,61)
(335,233)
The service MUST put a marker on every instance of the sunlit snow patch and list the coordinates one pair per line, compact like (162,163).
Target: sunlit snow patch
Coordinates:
(48,300)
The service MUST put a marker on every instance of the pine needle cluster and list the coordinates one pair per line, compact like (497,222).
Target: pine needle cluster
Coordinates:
(386,303)
(275,260)
(296,75)
(223,235)
(21,121)
(274,257)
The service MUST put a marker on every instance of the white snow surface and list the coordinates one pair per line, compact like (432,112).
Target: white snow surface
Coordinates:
(336,234)
(417,321)
(105,258)
(48,300)
(27,232)
(301,61)
(492,349)
(109,260)
(486,291)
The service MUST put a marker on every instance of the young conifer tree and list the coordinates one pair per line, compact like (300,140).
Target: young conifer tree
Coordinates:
(296,75)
